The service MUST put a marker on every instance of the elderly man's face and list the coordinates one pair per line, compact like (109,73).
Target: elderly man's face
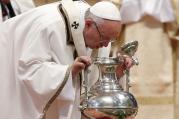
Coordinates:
(99,35)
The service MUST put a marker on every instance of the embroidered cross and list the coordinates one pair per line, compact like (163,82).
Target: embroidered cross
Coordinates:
(75,25)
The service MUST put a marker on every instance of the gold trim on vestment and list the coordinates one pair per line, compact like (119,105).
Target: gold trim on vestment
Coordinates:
(47,106)
(68,38)
(65,17)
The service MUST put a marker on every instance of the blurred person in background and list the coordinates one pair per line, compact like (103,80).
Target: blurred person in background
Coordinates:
(11,8)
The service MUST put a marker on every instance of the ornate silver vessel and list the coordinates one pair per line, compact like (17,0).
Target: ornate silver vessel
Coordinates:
(107,99)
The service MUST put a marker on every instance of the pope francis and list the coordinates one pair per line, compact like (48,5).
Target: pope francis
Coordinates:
(44,50)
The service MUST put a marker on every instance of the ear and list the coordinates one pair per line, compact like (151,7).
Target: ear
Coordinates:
(88,23)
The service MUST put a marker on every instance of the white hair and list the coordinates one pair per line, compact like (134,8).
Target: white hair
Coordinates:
(95,18)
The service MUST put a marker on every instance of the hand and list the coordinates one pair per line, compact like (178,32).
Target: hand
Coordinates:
(79,64)
(127,64)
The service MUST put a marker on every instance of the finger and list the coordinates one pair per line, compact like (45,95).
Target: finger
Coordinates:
(80,65)
(84,60)
(128,64)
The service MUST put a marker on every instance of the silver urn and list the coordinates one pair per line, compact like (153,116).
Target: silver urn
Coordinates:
(107,98)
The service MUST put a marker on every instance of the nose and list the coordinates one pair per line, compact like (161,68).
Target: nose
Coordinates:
(105,44)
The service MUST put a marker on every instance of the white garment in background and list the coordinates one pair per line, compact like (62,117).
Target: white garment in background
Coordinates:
(134,10)
(35,62)
(19,6)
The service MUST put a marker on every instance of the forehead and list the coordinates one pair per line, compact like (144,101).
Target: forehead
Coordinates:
(111,27)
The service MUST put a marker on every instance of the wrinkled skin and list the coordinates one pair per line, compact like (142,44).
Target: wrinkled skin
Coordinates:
(95,39)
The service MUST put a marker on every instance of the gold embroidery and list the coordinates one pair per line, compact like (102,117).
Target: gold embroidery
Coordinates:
(56,94)
(64,15)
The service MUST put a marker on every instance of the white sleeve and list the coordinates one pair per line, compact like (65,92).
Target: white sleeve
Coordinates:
(41,76)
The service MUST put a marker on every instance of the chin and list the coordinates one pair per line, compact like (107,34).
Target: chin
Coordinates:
(97,47)
(93,47)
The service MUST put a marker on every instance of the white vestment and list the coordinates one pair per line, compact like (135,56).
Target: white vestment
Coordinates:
(19,6)
(35,63)
(134,10)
